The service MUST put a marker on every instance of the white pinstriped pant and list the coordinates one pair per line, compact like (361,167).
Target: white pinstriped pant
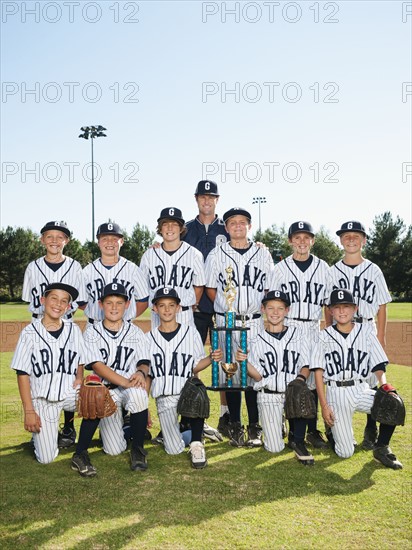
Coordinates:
(344,401)
(45,442)
(169,423)
(111,428)
(270,407)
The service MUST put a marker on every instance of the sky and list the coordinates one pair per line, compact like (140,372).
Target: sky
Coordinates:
(305,104)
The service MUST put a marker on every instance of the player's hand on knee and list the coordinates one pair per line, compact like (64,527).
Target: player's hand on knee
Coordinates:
(32,422)
(328,415)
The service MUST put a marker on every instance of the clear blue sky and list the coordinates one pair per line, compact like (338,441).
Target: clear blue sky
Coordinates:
(306,93)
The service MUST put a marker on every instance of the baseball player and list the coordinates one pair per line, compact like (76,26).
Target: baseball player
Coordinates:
(176,353)
(48,361)
(205,232)
(111,267)
(368,286)
(277,356)
(175,264)
(305,279)
(116,351)
(251,266)
(343,359)
(54,267)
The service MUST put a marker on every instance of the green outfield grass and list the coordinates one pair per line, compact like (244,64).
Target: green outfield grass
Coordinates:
(247,499)
(18,312)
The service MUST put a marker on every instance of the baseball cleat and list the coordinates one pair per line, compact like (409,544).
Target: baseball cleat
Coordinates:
(197,455)
(211,433)
(138,460)
(236,434)
(369,438)
(302,454)
(158,440)
(81,463)
(330,438)
(254,432)
(223,425)
(316,439)
(385,456)
(66,438)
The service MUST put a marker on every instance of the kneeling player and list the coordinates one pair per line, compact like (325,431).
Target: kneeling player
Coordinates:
(48,361)
(176,353)
(116,351)
(278,356)
(343,359)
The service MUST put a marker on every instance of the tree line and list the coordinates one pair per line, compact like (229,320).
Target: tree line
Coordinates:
(389,245)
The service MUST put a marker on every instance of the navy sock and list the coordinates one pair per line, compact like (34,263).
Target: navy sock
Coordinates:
(252,408)
(385,434)
(138,423)
(233,399)
(87,430)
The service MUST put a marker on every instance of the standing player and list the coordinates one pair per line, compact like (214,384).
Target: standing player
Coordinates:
(366,282)
(54,267)
(176,353)
(305,280)
(204,233)
(48,360)
(116,351)
(343,359)
(277,356)
(111,267)
(251,266)
(175,264)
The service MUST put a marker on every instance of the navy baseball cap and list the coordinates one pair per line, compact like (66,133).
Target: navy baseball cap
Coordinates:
(58,226)
(276,295)
(71,291)
(207,187)
(341,296)
(166,292)
(236,211)
(171,213)
(300,227)
(351,227)
(114,289)
(109,228)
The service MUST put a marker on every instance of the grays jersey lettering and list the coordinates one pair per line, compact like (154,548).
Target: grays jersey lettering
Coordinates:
(172,362)
(121,352)
(367,284)
(38,275)
(97,276)
(250,276)
(307,291)
(181,270)
(278,361)
(353,357)
(50,362)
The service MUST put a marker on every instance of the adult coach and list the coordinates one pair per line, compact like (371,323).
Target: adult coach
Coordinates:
(205,232)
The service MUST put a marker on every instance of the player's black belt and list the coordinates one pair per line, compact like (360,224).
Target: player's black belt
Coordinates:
(112,386)
(362,319)
(265,390)
(303,320)
(343,383)
(184,308)
(37,316)
(241,317)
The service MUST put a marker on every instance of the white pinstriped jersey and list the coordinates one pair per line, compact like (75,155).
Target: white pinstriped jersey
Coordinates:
(367,284)
(181,270)
(350,358)
(120,352)
(307,291)
(278,361)
(250,276)
(172,362)
(38,275)
(50,362)
(97,276)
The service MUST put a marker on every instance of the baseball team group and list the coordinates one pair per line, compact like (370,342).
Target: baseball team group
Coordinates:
(183,280)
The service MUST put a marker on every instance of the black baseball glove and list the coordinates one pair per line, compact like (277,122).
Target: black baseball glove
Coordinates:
(194,401)
(299,400)
(388,408)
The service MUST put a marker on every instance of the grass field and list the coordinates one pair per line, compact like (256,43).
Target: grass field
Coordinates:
(14,311)
(244,499)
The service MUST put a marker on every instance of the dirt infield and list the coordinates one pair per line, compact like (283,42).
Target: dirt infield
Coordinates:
(398,338)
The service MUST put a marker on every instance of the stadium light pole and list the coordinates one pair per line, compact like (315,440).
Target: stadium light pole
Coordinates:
(92,132)
(259,201)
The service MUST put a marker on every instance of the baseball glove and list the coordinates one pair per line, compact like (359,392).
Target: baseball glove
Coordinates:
(94,399)
(194,401)
(388,408)
(299,400)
